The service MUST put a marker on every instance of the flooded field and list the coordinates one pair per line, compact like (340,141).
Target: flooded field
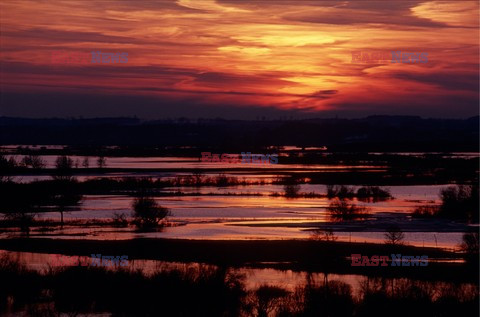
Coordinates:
(256,209)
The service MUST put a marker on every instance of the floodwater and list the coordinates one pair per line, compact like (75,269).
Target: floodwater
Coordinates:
(218,214)
(253,277)
(255,211)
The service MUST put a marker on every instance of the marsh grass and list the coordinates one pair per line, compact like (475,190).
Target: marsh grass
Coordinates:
(206,290)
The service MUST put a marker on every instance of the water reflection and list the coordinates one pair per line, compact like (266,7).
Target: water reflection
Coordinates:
(192,289)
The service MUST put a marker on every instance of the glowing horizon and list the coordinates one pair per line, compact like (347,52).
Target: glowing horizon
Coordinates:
(286,55)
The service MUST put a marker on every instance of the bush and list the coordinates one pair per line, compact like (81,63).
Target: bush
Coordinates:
(22,220)
(425,211)
(291,190)
(374,193)
(339,191)
(470,246)
(147,213)
(33,161)
(120,220)
(340,208)
(323,235)
(460,202)
(291,187)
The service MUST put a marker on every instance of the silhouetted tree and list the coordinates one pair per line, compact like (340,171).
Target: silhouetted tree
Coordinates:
(21,210)
(291,187)
(394,236)
(33,161)
(7,167)
(343,210)
(268,299)
(373,193)
(470,245)
(66,196)
(147,213)
(323,235)
(460,202)
(86,162)
(101,161)
(341,192)
(120,219)
(63,169)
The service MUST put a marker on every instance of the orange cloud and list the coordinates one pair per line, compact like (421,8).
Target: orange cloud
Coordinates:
(284,54)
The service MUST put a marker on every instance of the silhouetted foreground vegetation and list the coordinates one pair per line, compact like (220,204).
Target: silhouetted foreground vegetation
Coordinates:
(461,203)
(201,290)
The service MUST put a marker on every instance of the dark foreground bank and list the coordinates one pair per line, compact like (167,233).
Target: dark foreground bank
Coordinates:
(299,255)
(206,290)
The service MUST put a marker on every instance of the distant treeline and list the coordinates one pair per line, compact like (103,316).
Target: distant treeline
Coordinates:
(375,133)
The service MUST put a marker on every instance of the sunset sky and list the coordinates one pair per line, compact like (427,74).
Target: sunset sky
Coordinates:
(239,58)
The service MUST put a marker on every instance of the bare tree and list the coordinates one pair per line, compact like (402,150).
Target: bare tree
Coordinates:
(63,169)
(268,299)
(341,209)
(470,245)
(7,167)
(67,194)
(24,220)
(34,161)
(394,236)
(66,197)
(86,162)
(101,161)
(323,235)
(21,211)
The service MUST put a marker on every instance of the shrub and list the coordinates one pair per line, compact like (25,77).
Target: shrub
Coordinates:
(460,202)
(147,213)
(323,235)
(291,187)
(425,211)
(34,161)
(340,208)
(374,193)
(339,191)
(470,246)
(120,219)
(23,220)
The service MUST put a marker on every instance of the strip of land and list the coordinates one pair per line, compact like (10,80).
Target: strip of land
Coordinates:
(301,255)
